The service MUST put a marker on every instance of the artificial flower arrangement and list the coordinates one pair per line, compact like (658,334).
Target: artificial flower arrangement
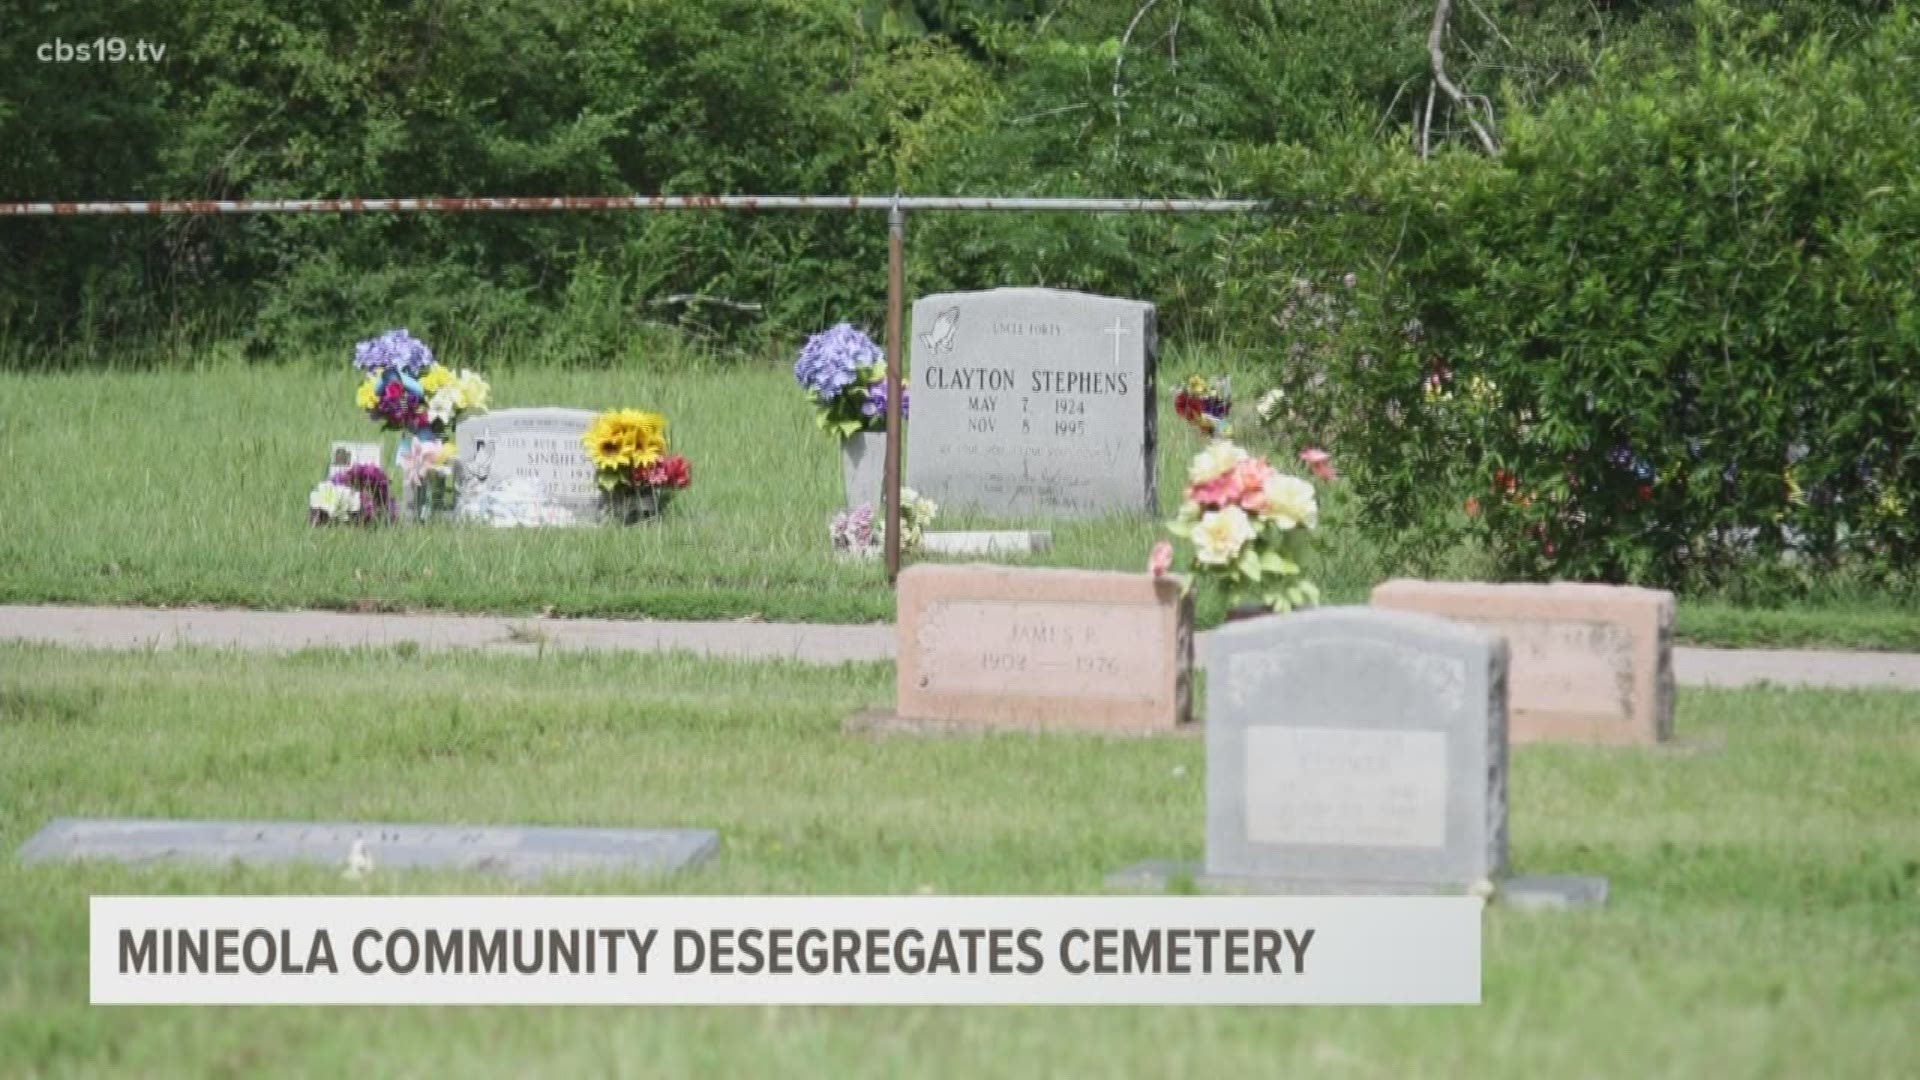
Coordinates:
(1205,403)
(859,532)
(353,496)
(638,476)
(407,390)
(427,468)
(1247,525)
(844,375)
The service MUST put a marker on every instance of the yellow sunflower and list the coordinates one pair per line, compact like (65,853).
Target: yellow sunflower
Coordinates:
(626,438)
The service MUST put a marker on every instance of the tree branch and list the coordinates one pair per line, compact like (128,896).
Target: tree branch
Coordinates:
(1435,53)
(1121,57)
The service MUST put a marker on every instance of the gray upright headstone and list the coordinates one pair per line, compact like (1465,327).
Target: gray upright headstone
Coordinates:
(1357,749)
(1033,403)
(528,466)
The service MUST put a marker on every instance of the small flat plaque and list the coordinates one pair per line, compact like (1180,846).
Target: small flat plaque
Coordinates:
(1342,786)
(520,852)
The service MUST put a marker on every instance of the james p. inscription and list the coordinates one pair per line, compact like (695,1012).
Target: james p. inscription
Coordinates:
(1039,648)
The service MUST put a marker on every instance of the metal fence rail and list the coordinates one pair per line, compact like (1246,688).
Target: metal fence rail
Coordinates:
(620,202)
(896,208)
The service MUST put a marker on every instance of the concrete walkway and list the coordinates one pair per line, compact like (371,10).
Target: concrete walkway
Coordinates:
(138,628)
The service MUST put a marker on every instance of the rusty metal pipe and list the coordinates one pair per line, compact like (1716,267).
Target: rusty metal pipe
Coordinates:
(896,360)
(620,202)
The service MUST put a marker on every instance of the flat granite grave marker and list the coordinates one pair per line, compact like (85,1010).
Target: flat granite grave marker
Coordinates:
(1004,542)
(524,853)
(527,467)
(1354,750)
(990,647)
(1589,663)
(1033,402)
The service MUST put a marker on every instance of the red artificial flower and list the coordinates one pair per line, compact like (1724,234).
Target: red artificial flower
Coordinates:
(671,472)
(1646,493)
(1473,507)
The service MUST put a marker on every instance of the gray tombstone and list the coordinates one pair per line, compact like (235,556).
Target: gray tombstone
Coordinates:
(1033,403)
(524,853)
(527,467)
(1358,750)
(1354,748)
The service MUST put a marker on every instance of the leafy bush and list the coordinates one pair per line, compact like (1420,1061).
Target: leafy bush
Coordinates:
(1675,326)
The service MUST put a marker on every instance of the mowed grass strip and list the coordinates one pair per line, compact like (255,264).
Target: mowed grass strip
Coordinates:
(189,487)
(1766,898)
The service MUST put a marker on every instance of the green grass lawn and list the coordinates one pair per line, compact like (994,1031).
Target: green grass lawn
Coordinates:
(189,487)
(1765,920)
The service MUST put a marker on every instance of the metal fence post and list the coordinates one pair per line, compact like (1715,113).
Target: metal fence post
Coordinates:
(896,359)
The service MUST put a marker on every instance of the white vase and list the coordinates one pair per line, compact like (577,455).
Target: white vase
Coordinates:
(863,467)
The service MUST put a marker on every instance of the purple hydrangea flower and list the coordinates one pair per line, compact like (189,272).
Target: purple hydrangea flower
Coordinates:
(875,407)
(830,359)
(394,349)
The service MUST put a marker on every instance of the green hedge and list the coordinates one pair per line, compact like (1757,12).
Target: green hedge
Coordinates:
(1675,326)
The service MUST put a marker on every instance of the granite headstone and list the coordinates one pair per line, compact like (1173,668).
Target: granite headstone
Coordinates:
(1359,750)
(1348,747)
(527,467)
(1033,403)
(1591,663)
(991,647)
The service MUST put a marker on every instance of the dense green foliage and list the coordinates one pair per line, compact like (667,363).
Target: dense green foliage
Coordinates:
(1689,272)
(1675,325)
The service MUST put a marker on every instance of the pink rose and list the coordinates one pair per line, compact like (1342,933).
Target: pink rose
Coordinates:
(1320,462)
(1250,477)
(1222,490)
(1161,560)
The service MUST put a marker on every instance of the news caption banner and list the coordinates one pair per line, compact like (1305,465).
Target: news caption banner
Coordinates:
(710,950)
(523,853)
(986,648)
(1033,403)
(1359,750)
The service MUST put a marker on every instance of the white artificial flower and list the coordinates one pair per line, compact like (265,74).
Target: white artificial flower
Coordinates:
(1269,403)
(1216,460)
(1290,502)
(472,391)
(334,500)
(1220,535)
(442,405)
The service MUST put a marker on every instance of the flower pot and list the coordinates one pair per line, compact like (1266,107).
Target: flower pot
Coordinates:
(630,507)
(431,501)
(863,467)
